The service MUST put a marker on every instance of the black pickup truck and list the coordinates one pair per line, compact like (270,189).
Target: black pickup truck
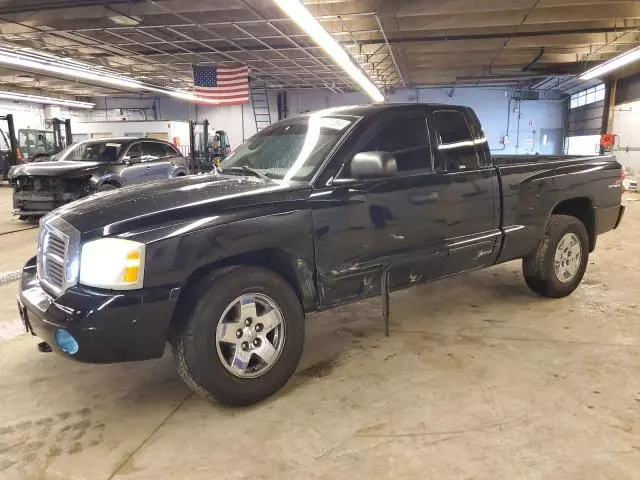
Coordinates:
(312,212)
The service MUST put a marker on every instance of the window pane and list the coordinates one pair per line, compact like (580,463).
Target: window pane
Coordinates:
(574,102)
(581,100)
(407,141)
(153,149)
(135,151)
(168,150)
(600,95)
(456,144)
(583,145)
(591,96)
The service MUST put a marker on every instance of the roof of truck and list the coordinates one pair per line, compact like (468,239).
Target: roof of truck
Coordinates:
(362,110)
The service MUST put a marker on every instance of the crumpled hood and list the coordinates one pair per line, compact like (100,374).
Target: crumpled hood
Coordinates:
(182,198)
(62,168)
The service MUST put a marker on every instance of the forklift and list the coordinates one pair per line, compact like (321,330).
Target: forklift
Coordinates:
(10,154)
(221,147)
(61,142)
(206,152)
(37,144)
(199,147)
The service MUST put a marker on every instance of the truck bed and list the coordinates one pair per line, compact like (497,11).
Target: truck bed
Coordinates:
(533,186)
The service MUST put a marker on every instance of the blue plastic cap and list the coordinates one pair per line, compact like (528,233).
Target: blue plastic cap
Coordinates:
(66,342)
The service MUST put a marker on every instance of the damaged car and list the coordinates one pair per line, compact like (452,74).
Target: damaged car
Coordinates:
(91,166)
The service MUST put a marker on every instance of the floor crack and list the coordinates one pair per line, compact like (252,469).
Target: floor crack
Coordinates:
(148,437)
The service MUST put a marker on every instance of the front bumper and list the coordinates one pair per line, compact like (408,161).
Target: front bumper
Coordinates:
(40,203)
(108,326)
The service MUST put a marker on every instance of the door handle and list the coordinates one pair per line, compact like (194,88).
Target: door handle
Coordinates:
(148,167)
(420,199)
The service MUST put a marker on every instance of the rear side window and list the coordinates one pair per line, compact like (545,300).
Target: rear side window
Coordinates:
(153,149)
(169,151)
(455,142)
(407,139)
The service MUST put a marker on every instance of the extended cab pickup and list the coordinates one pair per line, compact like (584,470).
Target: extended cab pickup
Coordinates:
(312,212)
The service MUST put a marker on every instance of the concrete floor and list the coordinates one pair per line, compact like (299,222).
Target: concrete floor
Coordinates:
(480,379)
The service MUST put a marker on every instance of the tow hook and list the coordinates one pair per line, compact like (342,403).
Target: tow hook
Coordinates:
(44,347)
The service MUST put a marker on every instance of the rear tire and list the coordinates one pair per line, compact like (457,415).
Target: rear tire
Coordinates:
(234,356)
(556,267)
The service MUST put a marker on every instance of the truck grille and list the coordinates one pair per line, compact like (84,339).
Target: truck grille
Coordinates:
(58,242)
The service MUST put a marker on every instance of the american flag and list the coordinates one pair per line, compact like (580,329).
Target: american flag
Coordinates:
(224,85)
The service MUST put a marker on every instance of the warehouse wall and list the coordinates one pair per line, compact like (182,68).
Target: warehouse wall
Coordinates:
(537,118)
(32,115)
(526,134)
(236,120)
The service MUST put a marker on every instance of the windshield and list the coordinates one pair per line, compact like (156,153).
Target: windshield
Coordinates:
(91,151)
(291,149)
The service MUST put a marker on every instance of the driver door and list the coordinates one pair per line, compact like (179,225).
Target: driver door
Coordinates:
(364,226)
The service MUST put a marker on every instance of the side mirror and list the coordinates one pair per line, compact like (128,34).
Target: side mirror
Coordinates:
(373,165)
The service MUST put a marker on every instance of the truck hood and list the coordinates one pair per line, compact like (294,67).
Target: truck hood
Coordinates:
(62,168)
(179,199)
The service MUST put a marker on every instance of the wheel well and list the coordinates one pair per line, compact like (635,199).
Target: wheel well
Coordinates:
(271,259)
(582,209)
(111,181)
(181,174)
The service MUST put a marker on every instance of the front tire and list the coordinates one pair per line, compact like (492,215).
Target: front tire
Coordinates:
(556,267)
(106,187)
(243,337)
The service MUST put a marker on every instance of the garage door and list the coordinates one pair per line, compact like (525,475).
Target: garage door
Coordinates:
(586,110)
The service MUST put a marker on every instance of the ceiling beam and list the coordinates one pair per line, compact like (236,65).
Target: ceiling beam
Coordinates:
(503,35)
(22,7)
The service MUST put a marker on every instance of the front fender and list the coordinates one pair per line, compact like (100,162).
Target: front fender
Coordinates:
(283,242)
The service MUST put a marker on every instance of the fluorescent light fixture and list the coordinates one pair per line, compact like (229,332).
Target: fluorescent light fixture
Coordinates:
(613,64)
(67,67)
(126,20)
(22,97)
(307,22)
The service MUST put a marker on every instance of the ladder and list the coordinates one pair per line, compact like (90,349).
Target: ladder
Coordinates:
(260,103)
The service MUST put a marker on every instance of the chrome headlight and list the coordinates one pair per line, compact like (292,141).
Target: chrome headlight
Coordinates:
(113,263)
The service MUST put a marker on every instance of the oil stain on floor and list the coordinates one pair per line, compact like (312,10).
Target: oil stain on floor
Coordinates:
(39,441)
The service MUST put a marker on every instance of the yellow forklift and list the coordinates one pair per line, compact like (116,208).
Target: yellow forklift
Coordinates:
(206,151)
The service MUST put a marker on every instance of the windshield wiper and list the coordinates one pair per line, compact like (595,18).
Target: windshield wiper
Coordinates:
(246,169)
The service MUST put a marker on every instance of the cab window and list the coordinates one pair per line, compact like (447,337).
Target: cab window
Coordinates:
(456,146)
(407,140)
